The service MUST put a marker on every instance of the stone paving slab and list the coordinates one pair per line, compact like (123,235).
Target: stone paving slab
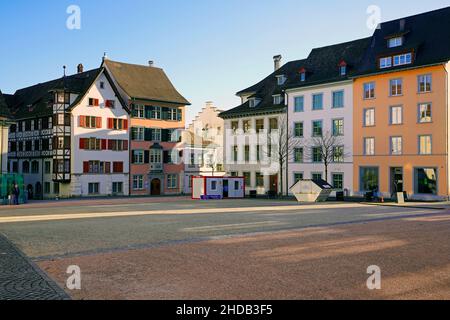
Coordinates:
(20,279)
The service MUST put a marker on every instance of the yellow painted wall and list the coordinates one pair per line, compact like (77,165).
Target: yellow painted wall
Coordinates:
(409,130)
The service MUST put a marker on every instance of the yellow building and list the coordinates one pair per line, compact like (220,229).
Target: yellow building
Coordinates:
(401,109)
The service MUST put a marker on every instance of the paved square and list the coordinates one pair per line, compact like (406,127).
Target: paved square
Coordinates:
(176,248)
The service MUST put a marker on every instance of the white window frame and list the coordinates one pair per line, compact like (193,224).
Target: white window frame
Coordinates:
(428,146)
(396,144)
(395,42)
(365,117)
(369,149)
(427,104)
(396,118)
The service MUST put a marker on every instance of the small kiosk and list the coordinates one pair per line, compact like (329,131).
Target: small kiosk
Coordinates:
(312,191)
(217,188)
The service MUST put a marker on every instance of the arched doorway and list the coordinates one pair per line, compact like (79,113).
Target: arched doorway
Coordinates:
(155,189)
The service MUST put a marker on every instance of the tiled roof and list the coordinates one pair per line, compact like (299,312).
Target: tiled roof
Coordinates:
(426,34)
(145,82)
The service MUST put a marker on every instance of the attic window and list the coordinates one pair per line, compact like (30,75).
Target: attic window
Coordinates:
(281,79)
(277,99)
(253,102)
(343,70)
(395,42)
(102,85)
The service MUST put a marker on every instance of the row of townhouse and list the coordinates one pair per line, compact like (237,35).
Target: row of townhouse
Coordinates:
(80,135)
(383,102)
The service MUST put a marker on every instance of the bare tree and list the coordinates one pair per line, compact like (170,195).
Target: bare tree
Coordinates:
(281,145)
(327,149)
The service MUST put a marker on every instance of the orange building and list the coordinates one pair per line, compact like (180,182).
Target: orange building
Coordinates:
(157,122)
(401,109)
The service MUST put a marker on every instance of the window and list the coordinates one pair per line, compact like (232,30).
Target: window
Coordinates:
(273,124)
(93,102)
(156,135)
(156,113)
(338,154)
(47,187)
(259,125)
(317,101)
(424,83)
(236,185)
(396,146)
(110,104)
(396,115)
(317,176)
(47,167)
(368,179)
(235,126)
(369,117)
(338,99)
(277,99)
(137,133)
(425,113)
(369,90)
(138,156)
(343,70)
(317,128)
(403,59)
(34,167)
(395,42)
(281,80)
(94,188)
(426,181)
(385,62)
(102,85)
(303,76)
(369,146)
(138,182)
(396,87)
(155,156)
(298,130)
(425,147)
(253,102)
(258,153)
(248,179)
(259,180)
(338,181)
(234,151)
(298,155)
(172,181)
(117,167)
(60,142)
(299,104)
(117,124)
(117,187)
(25,167)
(247,126)
(317,154)
(338,127)
(138,111)
(247,154)
(93,167)
(90,122)
(213,185)
(298,177)
(234,174)
(173,114)
(55,188)
(15,167)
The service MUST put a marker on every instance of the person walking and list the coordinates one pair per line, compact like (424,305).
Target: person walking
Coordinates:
(16,194)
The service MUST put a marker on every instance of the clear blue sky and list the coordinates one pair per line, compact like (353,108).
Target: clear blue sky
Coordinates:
(209,48)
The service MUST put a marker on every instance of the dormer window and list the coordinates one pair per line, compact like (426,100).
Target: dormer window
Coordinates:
(343,68)
(281,79)
(385,62)
(277,99)
(395,42)
(253,102)
(302,74)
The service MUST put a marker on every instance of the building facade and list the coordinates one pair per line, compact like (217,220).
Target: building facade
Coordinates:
(63,135)
(320,113)
(5,122)
(401,114)
(203,146)
(157,121)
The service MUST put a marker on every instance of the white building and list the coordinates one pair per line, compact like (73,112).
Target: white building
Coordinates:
(320,107)
(203,146)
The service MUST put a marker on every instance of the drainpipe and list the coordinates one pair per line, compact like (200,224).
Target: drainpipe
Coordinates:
(287,141)
(446,128)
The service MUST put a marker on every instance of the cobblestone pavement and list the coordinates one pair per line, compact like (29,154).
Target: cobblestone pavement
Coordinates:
(20,279)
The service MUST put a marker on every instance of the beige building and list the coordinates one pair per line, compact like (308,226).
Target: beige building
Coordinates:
(203,146)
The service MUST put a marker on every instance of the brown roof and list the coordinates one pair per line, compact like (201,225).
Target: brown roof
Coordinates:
(145,82)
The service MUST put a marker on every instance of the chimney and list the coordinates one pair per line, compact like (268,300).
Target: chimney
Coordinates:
(277,62)
(209,104)
(151,63)
(80,68)
(402,25)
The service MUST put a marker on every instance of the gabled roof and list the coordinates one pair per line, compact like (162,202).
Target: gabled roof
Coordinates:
(427,35)
(265,91)
(144,82)
(36,101)
(4,110)
(322,65)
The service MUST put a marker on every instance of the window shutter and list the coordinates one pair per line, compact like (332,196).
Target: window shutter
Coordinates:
(110,123)
(125,124)
(166,156)
(179,115)
(83,121)
(110,144)
(98,122)
(148,134)
(132,157)
(165,135)
(125,145)
(82,143)
(107,103)
(96,102)
(86,167)
(148,112)
(118,167)
(165,113)
(146,156)
(104,144)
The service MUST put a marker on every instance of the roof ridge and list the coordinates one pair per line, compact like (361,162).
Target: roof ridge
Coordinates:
(416,15)
(340,44)
(133,64)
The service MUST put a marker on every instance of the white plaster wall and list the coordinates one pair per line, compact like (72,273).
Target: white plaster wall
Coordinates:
(80,181)
(327,115)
